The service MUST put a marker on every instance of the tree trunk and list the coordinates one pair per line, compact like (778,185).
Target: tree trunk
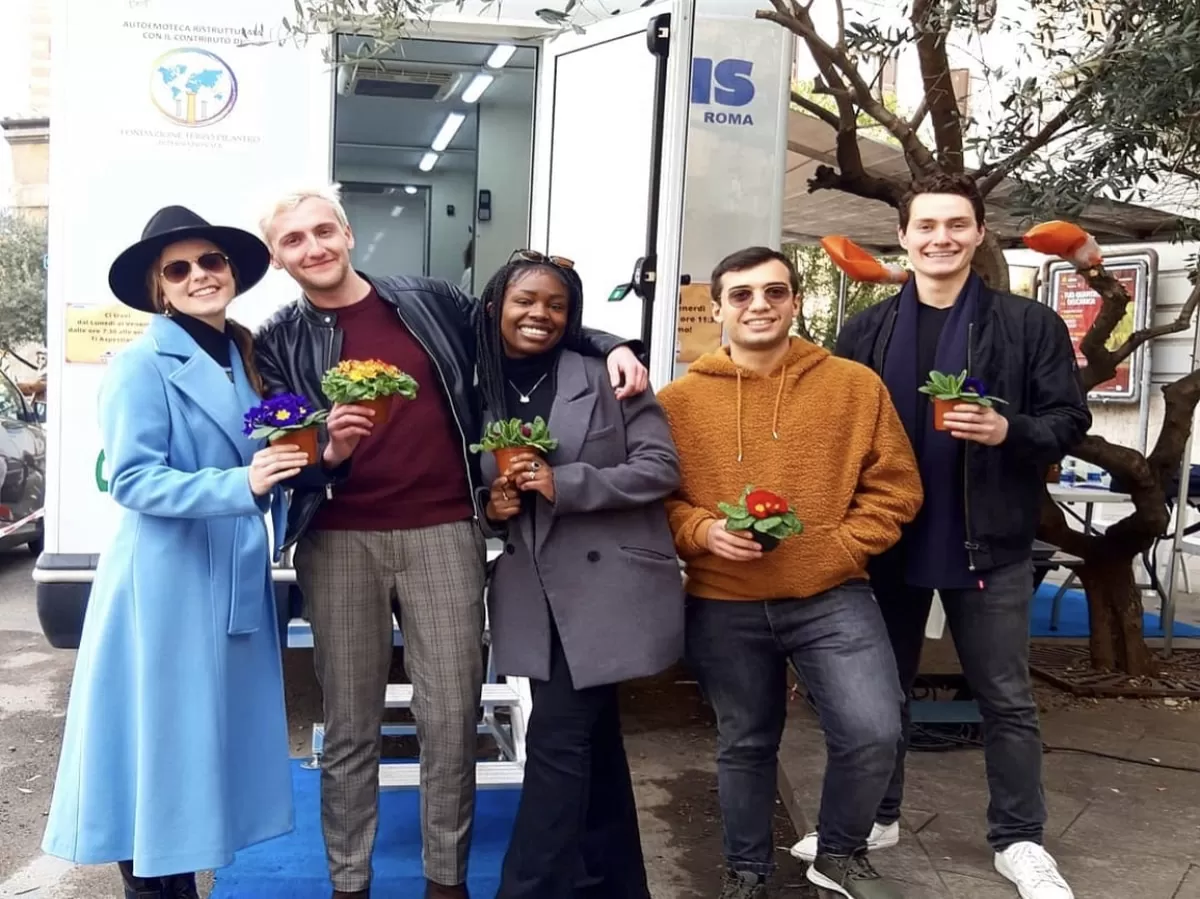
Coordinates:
(990,263)
(1115,605)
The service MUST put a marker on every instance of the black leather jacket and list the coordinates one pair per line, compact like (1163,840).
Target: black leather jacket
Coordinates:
(298,344)
(1022,351)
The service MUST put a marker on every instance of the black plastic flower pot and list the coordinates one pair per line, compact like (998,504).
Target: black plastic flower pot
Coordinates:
(766,541)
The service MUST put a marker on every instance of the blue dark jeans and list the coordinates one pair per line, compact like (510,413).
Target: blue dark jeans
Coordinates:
(837,640)
(991,633)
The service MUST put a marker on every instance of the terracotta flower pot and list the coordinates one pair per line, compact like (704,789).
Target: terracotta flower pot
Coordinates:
(940,408)
(305,438)
(766,541)
(382,407)
(505,456)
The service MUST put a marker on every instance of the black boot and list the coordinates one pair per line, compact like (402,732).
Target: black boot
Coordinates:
(141,887)
(180,886)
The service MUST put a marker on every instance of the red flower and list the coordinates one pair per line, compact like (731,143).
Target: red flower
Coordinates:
(763,504)
(526,431)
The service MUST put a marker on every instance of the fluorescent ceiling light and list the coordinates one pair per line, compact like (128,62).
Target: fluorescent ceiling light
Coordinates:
(478,85)
(500,56)
(428,161)
(410,189)
(449,128)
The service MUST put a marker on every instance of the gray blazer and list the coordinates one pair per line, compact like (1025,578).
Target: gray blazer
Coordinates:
(604,550)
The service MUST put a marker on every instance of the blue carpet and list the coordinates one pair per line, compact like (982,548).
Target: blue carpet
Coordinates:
(1073,616)
(293,866)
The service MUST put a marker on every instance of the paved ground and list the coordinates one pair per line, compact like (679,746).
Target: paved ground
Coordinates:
(669,738)
(1118,828)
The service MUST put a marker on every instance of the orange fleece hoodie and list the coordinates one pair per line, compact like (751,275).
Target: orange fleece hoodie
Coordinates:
(823,434)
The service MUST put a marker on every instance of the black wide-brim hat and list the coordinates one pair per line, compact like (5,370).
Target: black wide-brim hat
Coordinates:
(127,275)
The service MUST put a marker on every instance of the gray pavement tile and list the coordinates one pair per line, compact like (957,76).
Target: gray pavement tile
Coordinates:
(1136,828)
(1190,888)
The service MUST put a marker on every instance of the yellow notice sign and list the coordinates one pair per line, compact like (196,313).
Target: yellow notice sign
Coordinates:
(96,333)
(697,333)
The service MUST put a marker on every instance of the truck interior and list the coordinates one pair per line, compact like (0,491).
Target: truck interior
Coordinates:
(433,147)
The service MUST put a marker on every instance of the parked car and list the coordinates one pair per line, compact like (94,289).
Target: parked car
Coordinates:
(22,467)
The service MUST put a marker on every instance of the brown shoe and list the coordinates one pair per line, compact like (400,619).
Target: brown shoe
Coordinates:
(440,891)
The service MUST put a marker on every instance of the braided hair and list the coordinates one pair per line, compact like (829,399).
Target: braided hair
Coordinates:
(488,342)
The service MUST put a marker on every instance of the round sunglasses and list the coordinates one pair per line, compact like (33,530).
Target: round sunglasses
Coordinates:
(177,270)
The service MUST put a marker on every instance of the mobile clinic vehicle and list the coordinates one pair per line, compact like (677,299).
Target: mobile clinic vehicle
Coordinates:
(483,131)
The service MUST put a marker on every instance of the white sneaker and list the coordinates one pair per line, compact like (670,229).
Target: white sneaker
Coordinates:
(1033,871)
(883,836)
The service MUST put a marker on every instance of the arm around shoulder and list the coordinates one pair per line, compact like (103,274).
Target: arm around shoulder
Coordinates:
(135,423)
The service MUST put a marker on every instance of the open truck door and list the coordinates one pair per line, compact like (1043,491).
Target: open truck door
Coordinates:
(609,157)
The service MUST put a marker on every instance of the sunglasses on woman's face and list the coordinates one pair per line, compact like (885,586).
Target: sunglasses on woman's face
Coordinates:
(177,270)
(540,258)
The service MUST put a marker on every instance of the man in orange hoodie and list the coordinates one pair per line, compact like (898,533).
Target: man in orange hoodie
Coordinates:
(784,415)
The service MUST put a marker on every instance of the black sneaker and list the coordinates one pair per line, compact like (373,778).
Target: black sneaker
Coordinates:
(852,876)
(744,885)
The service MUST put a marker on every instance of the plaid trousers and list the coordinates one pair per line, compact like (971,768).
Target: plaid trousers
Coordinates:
(347,578)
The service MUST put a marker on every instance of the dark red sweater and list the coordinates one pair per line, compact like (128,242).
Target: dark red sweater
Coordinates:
(410,472)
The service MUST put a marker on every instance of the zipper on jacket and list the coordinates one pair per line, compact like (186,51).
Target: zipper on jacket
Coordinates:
(329,362)
(970,543)
(453,412)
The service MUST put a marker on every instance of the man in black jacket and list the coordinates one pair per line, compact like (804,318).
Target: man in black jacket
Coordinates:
(983,482)
(402,518)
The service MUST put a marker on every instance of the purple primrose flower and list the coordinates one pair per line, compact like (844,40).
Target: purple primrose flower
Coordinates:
(285,410)
(975,386)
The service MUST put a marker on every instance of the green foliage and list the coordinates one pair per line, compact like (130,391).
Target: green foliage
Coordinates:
(942,386)
(352,381)
(763,512)
(516,433)
(22,281)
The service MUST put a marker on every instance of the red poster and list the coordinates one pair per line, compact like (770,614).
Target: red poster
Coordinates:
(1078,305)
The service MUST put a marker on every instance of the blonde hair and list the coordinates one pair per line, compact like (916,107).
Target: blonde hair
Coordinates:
(330,193)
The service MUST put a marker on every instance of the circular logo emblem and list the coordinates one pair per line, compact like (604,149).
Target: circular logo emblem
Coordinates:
(193,87)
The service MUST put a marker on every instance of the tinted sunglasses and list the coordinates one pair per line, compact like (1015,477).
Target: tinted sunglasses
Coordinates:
(540,259)
(177,270)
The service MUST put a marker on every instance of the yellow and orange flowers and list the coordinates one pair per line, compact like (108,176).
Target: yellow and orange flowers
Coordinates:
(356,380)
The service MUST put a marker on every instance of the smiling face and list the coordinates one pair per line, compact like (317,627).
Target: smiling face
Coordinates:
(941,236)
(533,316)
(194,277)
(312,244)
(757,306)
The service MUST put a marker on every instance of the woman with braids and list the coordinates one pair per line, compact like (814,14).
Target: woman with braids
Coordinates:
(588,591)
(175,753)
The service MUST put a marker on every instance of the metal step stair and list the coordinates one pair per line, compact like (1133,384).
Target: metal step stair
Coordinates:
(488,775)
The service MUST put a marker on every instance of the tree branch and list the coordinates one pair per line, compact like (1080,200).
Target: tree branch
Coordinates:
(1179,405)
(929,25)
(858,184)
(817,110)
(989,175)
(834,60)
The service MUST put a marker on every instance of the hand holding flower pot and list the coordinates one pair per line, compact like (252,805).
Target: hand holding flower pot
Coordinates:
(369,383)
(764,515)
(506,439)
(290,416)
(947,391)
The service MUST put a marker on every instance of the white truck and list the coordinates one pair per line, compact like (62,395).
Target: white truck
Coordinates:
(658,145)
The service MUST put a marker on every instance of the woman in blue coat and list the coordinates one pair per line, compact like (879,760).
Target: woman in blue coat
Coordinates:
(175,754)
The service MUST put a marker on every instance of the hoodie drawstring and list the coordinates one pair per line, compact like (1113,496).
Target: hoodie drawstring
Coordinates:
(778,398)
(739,413)
(775,417)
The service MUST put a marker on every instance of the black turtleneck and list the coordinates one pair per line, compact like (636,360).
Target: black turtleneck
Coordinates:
(531,376)
(211,340)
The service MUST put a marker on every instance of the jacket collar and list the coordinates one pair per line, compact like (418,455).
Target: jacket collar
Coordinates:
(328,317)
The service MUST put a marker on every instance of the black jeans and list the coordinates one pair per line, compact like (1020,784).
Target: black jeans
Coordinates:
(576,831)
(739,652)
(990,628)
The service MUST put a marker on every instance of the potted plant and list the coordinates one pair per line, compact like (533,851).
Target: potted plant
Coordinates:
(289,416)
(506,439)
(368,382)
(948,391)
(765,515)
